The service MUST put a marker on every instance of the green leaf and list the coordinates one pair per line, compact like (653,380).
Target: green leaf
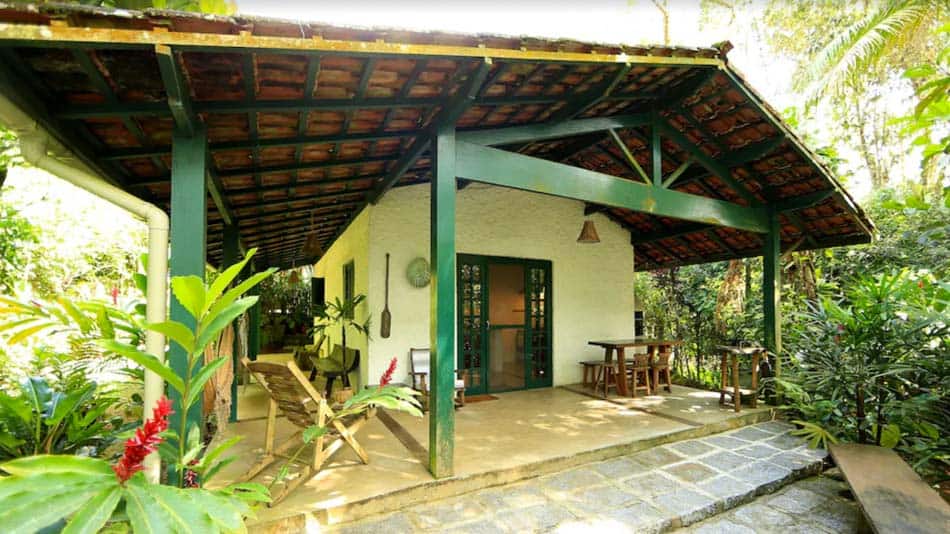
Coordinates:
(41,509)
(224,280)
(27,332)
(920,71)
(105,324)
(95,512)
(210,473)
(49,464)
(36,391)
(198,381)
(146,360)
(208,459)
(313,432)
(192,446)
(214,322)
(190,292)
(222,509)
(250,491)
(145,514)
(185,514)
(176,332)
(232,294)
(83,322)
(890,436)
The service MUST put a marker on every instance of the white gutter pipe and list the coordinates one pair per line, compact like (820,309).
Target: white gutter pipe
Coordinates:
(42,151)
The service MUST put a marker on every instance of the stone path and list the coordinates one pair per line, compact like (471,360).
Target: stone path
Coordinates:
(656,490)
(814,505)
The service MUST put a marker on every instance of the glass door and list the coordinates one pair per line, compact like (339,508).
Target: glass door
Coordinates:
(504,323)
(472,323)
(506,326)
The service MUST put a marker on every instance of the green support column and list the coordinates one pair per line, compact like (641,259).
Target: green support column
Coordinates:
(772,289)
(442,313)
(229,256)
(254,327)
(188,228)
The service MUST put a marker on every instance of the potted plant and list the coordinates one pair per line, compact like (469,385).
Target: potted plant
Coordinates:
(340,313)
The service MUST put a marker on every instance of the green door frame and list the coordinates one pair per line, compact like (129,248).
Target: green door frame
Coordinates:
(483,261)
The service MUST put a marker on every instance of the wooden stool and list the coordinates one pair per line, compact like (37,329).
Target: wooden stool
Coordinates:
(591,370)
(730,373)
(640,366)
(662,364)
(607,376)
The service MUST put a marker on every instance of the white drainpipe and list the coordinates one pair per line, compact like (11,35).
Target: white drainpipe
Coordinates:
(44,152)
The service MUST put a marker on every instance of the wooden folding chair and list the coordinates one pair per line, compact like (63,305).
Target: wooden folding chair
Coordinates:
(292,394)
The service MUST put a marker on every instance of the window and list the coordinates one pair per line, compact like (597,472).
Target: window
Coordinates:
(349,281)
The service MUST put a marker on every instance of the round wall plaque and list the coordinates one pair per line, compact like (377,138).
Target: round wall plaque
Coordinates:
(418,272)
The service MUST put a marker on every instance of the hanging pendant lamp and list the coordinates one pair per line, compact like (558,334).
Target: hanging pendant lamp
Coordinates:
(588,233)
(312,247)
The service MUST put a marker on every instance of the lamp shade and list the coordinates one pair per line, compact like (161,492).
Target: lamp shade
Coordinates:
(588,233)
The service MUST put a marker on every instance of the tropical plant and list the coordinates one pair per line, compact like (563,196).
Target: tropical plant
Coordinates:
(213,308)
(15,233)
(214,7)
(886,27)
(341,313)
(932,114)
(80,494)
(871,366)
(87,493)
(42,418)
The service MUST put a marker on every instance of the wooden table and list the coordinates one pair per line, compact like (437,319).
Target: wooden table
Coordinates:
(653,345)
(734,352)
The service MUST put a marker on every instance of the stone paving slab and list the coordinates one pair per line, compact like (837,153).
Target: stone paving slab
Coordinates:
(655,490)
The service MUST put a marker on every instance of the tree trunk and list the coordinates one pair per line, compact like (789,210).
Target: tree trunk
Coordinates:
(859,395)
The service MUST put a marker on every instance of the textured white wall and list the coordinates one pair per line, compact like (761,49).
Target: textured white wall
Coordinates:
(353,245)
(592,284)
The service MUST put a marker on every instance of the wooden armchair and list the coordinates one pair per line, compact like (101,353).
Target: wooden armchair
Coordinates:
(420,365)
(291,394)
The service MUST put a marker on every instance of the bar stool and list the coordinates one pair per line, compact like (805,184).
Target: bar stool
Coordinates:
(730,375)
(606,377)
(641,366)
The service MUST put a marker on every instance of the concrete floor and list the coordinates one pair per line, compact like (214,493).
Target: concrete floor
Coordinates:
(520,435)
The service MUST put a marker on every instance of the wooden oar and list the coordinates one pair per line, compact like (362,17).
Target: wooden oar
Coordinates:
(387,319)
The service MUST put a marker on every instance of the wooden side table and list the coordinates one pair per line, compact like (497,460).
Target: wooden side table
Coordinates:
(730,355)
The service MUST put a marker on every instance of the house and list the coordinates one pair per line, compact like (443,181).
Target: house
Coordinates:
(483,155)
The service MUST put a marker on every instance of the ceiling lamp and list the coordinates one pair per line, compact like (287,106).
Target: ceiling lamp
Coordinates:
(588,233)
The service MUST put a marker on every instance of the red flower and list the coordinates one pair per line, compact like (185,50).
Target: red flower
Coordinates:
(388,375)
(115,296)
(144,442)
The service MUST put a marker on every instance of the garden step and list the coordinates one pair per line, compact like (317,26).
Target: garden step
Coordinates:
(654,490)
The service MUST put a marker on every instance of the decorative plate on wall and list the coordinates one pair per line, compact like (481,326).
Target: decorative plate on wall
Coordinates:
(418,272)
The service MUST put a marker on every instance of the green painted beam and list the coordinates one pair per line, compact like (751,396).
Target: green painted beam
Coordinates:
(628,156)
(278,169)
(188,247)
(179,100)
(490,165)
(803,201)
(656,151)
(752,152)
(442,311)
(772,290)
(450,113)
(549,130)
(230,256)
(583,102)
(669,180)
(254,326)
(715,167)
(642,239)
(90,111)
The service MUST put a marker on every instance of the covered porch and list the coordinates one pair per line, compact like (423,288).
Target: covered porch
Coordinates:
(510,437)
(259,133)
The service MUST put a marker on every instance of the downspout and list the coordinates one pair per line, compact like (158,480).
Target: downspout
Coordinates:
(42,151)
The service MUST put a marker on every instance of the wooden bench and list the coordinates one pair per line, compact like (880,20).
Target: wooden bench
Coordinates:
(892,496)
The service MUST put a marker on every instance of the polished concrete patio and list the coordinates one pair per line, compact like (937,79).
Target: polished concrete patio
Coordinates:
(516,436)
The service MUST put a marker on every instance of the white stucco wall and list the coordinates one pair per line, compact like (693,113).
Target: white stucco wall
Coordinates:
(353,246)
(592,284)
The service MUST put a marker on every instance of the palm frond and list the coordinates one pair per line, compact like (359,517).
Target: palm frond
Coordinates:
(861,45)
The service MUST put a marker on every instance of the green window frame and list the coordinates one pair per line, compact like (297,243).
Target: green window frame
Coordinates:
(349,281)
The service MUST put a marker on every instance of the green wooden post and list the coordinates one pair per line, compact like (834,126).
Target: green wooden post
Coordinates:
(772,289)
(656,150)
(188,229)
(229,256)
(442,313)
(254,327)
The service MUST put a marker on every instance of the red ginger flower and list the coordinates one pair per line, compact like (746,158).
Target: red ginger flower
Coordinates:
(388,375)
(144,442)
